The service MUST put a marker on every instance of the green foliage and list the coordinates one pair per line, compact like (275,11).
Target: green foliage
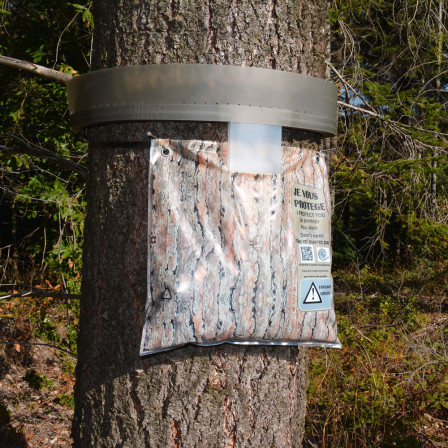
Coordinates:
(42,204)
(55,322)
(48,32)
(87,16)
(390,176)
(391,372)
(37,381)
(67,400)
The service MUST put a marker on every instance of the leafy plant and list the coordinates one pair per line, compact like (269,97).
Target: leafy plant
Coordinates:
(67,400)
(37,381)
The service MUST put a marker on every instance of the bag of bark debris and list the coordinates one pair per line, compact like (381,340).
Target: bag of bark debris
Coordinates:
(235,257)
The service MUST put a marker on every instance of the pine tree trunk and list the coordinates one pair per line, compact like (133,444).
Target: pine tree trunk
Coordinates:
(226,396)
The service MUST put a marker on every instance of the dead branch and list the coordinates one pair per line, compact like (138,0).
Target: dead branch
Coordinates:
(42,293)
(39,343)
(371,112)
(396,123)
(44,154)
(40,70)
(346,84)
(364,111)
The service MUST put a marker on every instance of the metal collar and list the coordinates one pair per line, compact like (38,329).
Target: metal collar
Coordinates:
(200,92)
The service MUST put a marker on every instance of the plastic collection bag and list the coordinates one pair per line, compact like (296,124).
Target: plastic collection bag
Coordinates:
(234,257)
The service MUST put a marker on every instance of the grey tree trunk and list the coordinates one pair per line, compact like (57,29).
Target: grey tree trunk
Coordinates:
(226,396)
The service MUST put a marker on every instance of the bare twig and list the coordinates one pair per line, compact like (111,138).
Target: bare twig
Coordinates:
(60,38)
(40,70)
(371,112)
(41,293)
(360,109)
(44,154)
(362,334)
(347,85)
(312,444)
(396,123)
(40,343)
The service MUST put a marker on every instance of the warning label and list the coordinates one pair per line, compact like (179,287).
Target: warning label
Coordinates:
(312,233)
(313,295)
(316,294)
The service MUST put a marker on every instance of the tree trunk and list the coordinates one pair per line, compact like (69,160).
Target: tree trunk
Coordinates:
(226,396)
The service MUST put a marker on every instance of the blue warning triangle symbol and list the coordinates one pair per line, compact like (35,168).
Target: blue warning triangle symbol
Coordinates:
(313,296)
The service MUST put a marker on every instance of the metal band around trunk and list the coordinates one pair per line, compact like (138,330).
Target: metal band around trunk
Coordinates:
(200,92)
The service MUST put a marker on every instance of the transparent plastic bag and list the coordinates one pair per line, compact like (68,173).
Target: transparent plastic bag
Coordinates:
(237,258)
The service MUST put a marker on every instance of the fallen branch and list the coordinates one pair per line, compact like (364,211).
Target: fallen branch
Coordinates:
(42,293)
(45,72)
(40,343)
(44,154)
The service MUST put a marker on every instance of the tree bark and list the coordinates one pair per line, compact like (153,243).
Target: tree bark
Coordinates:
(226,396)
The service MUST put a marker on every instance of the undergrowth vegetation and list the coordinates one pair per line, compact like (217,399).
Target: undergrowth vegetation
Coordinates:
(388,386)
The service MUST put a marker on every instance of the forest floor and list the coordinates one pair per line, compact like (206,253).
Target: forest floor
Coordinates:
(36,394)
